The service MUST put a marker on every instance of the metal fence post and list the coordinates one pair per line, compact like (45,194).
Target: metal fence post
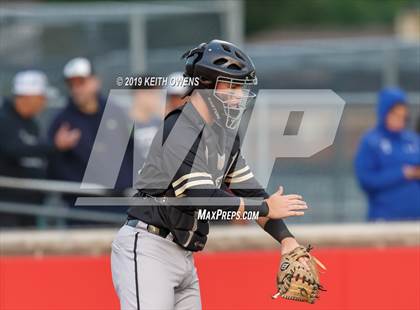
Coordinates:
(138,44)
(234,21)
(390,65)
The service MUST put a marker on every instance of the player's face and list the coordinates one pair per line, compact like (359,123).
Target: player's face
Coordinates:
(30,106)
(396,119)
(232,93)
(83,89)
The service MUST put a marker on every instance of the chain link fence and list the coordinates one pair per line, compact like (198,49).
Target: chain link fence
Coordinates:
(127,38)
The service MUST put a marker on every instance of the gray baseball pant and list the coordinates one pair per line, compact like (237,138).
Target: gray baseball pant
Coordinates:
(153,273)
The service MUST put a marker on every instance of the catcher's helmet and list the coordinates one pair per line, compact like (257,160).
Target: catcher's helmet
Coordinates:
(221,61)
(218,58)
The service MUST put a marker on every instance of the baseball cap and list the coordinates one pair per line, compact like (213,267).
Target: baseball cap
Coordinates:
(77,67)
(175,85)
(30,83)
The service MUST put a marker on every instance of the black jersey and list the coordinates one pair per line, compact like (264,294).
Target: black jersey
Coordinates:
(189,158)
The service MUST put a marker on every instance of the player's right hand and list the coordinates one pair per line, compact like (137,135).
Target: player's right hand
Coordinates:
(282,206)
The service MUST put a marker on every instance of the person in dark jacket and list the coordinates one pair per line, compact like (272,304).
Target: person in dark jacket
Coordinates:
(23,153)
(84,111)
(387,162)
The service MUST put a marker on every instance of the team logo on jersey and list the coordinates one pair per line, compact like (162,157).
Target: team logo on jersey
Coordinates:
(220,161)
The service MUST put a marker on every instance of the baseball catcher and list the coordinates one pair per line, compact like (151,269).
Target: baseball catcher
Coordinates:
(194,164)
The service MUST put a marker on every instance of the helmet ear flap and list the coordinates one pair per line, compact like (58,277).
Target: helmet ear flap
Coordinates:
(189,70)
(189,65)
(192,57)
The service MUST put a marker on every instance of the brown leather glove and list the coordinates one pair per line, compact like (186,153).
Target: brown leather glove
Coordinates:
(298,282)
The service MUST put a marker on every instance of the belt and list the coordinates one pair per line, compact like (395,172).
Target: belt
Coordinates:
(162,232)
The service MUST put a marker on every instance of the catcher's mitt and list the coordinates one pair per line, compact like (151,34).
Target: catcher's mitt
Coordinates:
(295,281)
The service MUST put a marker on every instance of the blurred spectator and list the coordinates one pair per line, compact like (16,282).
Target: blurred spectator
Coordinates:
(175,92)
(388,162)
(84,111)
(23,154)
(147,113)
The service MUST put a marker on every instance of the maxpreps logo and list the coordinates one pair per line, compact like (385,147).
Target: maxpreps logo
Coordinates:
(281,124)
(219,214)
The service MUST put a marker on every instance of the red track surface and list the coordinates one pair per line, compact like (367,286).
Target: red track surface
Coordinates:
(356,279)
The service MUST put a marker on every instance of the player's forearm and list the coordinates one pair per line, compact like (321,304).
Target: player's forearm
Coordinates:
(277,229)
(250,192)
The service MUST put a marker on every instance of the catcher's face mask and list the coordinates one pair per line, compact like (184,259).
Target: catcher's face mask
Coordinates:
(234,94)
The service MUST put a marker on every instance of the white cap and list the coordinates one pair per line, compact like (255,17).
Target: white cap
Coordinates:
(30,83)
(174,85)
(77,67)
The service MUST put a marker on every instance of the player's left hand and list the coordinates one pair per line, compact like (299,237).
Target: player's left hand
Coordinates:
(298,277)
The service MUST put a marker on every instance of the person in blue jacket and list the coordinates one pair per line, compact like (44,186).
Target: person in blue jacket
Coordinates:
(387,162)
(84,111)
